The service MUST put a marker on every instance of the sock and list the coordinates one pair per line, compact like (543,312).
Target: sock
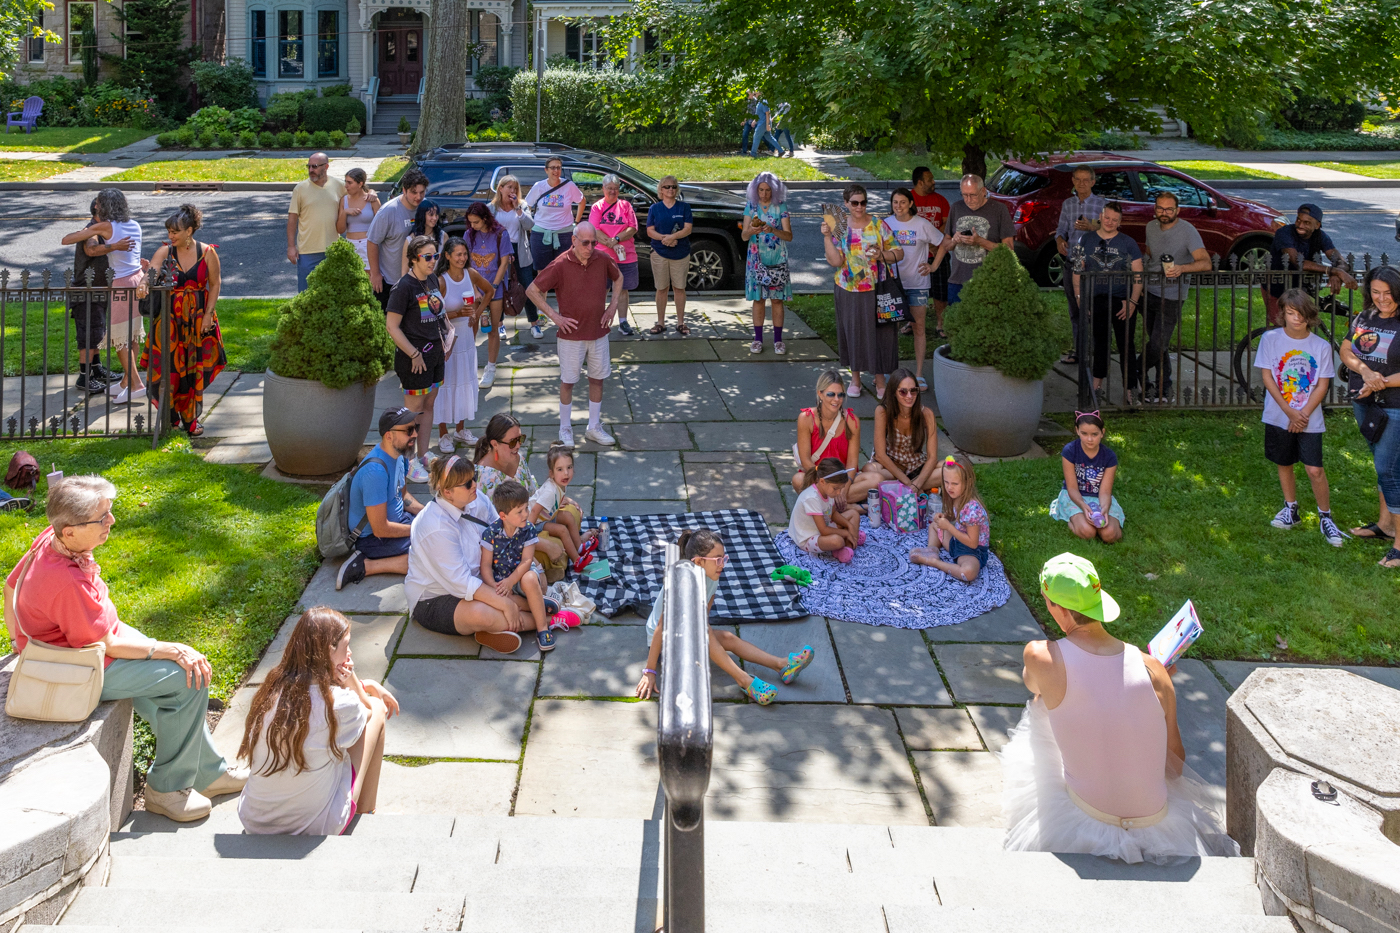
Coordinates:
(1324,513)
(1291,505)
(595,414)
(566,413)
(777,334)
(758,333)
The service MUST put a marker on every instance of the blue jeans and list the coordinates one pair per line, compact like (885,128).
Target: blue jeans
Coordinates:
(1385,453)
(748,136)
(526,275)
(305,263)
(544,255)
(953,290)
(764,137)
(785,133)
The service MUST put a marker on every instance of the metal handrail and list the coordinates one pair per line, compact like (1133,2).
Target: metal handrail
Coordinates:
(371,100)
(684,741)
(422,86)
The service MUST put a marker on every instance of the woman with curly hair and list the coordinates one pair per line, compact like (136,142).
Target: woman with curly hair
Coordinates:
(491,251)
(314,736)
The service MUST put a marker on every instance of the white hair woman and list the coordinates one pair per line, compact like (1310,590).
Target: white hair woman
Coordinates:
(768,230)
(56,595)
(505,206)
(616,224)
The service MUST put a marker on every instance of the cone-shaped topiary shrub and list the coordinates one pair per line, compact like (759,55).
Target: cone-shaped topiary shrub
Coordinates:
(334,331)
(1002,320)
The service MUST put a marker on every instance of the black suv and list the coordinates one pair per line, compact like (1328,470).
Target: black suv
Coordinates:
(461,174)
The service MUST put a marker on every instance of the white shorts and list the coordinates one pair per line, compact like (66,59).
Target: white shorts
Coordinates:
(574,353)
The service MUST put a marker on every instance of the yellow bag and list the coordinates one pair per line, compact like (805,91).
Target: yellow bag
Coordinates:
(49,683)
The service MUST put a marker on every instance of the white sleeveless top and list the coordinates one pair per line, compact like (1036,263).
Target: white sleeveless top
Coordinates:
(128,262)
(457,294)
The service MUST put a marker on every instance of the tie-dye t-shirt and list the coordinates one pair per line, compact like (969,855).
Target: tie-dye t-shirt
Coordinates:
(1296,366)
(860,273)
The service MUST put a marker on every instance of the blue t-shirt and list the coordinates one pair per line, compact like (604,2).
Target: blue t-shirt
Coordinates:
(669,220)
(1089,471)
(1313,249)
(379,482)
(1115,254)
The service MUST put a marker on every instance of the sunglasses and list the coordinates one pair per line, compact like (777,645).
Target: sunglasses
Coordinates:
(854,202)
(907,393)
(723,560)
(467,485)
(583,242)
(431,257)
(669,187)
(831,394)
(314,165)
(520,439)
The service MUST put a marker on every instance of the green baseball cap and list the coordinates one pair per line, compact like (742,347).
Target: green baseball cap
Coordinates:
(1071,581)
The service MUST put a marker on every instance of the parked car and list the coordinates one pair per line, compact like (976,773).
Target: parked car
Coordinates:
(461,174)
(1034,191)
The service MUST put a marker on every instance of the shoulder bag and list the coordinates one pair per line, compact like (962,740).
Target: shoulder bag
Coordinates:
(1372,423)
(838,422)
(49,683)
(891,305)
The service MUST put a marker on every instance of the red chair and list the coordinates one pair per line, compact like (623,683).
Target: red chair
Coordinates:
(28,117)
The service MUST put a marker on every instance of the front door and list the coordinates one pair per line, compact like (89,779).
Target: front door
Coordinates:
(400,57)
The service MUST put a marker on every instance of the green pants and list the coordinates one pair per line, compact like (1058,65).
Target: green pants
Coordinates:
(185,753)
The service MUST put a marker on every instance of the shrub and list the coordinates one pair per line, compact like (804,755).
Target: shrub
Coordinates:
(61,97)
(403,125)
(225,138)
(321,139)
(1002,320)
(285,140)
(245,118)
(109,104)
(266,140)
(91,60)
(1321,115)
(185,136)
(165,140)
(477,113)
(230,85)
(206,139)
(336,90)
(209,118)
(334,331)
(331,113)
(337,139)
(495,81)
(247,139)
(283,112)
(158,62)
(302,139)
(352,126)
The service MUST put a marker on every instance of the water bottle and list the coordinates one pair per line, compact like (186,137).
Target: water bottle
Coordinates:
(872,508)
(602,534)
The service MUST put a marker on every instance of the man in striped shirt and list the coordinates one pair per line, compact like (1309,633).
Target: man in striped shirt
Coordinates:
(1079,214)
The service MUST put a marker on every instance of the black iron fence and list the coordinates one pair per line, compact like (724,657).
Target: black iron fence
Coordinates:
(61,380)
(1193,345)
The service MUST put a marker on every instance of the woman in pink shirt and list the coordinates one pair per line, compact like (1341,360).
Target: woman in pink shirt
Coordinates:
(616,224)
(56,595)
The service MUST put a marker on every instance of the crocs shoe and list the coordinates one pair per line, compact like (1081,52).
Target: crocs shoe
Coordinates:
(796,662)
(761,692)
(845,555)
(546,640)
(551,605)
(565,619)
(860,538)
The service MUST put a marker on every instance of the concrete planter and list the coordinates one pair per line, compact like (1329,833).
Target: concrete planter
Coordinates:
(352,139)
(983,411)
(405,138)
(311,429)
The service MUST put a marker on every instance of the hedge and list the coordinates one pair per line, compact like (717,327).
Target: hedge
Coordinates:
(331,113)
(573,113)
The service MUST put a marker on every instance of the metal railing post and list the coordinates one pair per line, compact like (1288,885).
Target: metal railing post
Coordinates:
(684,742)
(1085,344)
(160,418)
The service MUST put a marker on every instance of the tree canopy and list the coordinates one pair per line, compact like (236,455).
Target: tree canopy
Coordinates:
(17,24)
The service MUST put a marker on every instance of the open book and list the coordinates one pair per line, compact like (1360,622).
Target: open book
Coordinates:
(1180,633)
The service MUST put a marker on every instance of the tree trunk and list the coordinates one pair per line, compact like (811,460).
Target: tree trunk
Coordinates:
(974,161)
(443,118)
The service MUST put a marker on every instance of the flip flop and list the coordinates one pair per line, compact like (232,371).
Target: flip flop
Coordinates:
(1390,555)
(1371,530)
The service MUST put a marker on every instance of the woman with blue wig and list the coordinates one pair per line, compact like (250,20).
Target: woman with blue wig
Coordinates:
(767,228)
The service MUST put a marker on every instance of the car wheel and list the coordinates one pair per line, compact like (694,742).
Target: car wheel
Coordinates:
(1252,256)
(709,265)
(1049,270)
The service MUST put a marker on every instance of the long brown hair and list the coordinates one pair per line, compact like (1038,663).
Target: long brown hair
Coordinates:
(918,429)
(306,662)
(496,429)
(951,507)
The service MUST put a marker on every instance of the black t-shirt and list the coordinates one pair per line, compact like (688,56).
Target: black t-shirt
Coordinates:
(1115,254)
(1376,340)
(421,307)
(1313,249)
(99,266)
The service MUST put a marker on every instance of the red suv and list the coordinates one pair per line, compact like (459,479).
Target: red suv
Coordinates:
(1034,191)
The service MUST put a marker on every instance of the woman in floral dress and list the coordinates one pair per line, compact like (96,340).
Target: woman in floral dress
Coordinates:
(767,229)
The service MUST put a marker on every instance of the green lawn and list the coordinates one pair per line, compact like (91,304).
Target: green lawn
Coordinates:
(216,170)
(1199,495)
(899,166)
(73,139)
(1219,171)
(214,556)
(1369,169)
(724,168)
(391,169)
(31,170)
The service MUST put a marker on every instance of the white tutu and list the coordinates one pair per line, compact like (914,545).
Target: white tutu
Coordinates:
(456,400)
(1041,817)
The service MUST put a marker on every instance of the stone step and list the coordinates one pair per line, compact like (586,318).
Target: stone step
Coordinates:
(251,909)
(176,873)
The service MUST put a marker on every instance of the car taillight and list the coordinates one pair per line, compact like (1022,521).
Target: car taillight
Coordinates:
(1026,210)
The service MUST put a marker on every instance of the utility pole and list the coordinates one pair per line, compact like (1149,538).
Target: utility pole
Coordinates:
(539,70)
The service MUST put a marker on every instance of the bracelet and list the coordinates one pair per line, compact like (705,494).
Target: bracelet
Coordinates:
(647,670)
(151,653)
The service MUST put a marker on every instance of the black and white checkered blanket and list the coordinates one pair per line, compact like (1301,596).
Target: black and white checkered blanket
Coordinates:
(636,552)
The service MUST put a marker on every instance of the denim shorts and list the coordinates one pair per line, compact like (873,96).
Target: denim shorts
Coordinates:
(916,297)
(958,549)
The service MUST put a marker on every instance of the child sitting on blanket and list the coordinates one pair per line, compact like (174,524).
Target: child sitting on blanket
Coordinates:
(508,558)
(963,527)
(1090,469)
(552,511)
(816,527)
(704,548)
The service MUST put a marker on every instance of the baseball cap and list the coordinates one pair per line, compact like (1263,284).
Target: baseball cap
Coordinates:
(1313,210)
(1071,581)
(394,417)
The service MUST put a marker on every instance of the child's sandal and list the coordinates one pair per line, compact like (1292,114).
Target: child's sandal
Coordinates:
(551,605)
(761,692)
(845,555)
(546,640)
(796,662)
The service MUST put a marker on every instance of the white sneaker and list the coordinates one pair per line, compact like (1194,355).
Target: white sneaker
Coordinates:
(417,472)
(138,394)
(230,782)
(599,435)
(182,806)
(465,436)
(536,331)
(488,376)
(756,347)
(445,444)
(566,435)
(121,396)
(780,348)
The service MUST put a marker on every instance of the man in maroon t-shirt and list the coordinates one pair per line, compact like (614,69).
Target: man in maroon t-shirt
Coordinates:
(933,207)
(580,280)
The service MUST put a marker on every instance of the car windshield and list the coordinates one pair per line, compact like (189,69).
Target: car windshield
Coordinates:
(1011,182)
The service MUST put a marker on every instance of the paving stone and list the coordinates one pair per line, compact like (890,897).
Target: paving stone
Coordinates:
(643,314)
(246,449)
(938,729)
(649,475)
(325,479)
(820,682)
(737,324)
(888,665)
(591,758)
(467,788)
(1200,713)
(663,351)
(995,723)
(963,788)
(379,594)
(418,640)
(583,495)
(1235,672)
(627,617)
(678,392)
(239,412)
(775,391)
(585,464)
(735,486)
(228,733)
(607,661)
(459,709)
(659,435)
(725,456)
(983,673)
(372,640)
(743,435)
(639,507)
(534,395)
(1012,622)
(736,351)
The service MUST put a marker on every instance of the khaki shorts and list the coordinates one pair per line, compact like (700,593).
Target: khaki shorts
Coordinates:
(669,273)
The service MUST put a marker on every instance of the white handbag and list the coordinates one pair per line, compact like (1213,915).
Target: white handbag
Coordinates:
(49,683)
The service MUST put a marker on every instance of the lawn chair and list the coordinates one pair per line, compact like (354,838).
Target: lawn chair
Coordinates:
(28,117)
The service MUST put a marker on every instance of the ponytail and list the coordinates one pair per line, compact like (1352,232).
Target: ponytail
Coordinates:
(498,427)
(829,469)
(697,542)
(186,217)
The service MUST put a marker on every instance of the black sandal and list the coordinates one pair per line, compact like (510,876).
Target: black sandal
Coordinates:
(683,330)
(1373,531)
(1390,555)
(657,328)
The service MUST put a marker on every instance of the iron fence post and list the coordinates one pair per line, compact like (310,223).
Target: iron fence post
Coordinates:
(160,418)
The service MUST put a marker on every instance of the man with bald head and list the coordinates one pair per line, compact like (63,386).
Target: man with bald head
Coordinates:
(580,277)
(311,217)
(976,226)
